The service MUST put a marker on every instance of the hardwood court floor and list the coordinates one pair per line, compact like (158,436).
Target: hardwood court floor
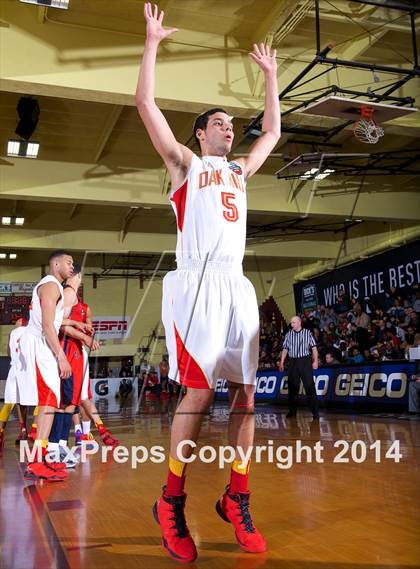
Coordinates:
(314,516)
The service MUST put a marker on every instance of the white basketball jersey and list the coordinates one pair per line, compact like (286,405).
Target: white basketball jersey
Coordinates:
(211,209)
(14,338)
(35,314)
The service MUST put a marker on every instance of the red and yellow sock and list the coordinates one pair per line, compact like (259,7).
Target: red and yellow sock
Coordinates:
(43,443)
(176,477)
(100,426)
(239,477)
(5,412)
(33,426)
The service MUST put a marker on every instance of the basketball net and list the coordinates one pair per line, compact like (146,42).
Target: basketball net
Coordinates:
(366,129)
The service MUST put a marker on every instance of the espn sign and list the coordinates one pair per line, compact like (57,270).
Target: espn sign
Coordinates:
(111,327)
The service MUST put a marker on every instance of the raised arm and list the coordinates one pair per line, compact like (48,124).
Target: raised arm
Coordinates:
(176,156)
(263,146)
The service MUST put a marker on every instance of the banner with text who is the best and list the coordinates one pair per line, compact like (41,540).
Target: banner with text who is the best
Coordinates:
(373,277)
(378,384)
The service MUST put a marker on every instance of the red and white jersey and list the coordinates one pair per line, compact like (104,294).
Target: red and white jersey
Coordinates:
(211,209)
(35,313)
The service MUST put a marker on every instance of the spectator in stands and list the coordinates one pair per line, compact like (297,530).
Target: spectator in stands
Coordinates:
(397,309)
(342,304)
(390,352)
(409,336)
(163,374)
(380,335)
(330,359)
(414,396)
(265,361)
(362,319)
(356,357)
(416,303)
(415,322)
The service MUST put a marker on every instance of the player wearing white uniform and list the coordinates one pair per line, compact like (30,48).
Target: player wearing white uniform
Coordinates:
(209,308)
(42,360)
(10,391)
(11,385)
(211,217)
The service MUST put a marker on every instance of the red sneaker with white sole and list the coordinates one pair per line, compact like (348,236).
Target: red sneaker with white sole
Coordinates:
(168,511)
(43,471)
(234,509)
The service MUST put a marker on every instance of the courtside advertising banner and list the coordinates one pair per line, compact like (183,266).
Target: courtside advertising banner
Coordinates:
(378,384)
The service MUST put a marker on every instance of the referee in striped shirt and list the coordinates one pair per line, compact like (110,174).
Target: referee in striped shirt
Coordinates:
(300,344)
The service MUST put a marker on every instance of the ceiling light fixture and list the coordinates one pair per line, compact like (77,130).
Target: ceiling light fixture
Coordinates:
(22,149)
(8,255)
(12,220)
(316,174)
(64,4)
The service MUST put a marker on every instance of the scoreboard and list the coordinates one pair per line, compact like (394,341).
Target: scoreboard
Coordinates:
(13,307)
(15,299)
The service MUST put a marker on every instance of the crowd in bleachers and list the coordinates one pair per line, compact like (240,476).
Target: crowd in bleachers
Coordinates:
(353,331)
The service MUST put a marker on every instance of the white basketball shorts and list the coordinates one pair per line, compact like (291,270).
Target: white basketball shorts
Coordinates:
(211,320)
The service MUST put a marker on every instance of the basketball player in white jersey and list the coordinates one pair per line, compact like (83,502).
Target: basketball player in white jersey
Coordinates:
(43,363)
(11,385)
(210,310)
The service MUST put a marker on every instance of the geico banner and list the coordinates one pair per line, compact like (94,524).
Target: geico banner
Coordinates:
(107,395)
(111,327)
(385,383)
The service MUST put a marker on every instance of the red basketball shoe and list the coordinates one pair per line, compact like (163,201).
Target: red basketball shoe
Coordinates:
(22,437)
(168,511)
(108,439)
(42,471)
(234,508)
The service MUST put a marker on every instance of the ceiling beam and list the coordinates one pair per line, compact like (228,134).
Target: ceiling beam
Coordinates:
(274,19)
(135,242)
(74,210)
(108,126)
(125,222)
(72,183)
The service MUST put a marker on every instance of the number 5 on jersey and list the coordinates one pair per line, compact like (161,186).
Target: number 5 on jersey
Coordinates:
(232,211)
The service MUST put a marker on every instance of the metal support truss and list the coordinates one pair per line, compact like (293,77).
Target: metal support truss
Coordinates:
(321,57)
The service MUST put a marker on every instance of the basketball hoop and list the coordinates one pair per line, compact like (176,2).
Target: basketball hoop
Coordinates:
(366,129)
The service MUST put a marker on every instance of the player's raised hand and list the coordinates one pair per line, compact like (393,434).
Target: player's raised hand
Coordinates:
(264,57)
(154,28)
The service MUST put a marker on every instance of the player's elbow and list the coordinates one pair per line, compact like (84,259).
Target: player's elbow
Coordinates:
(48,329)
(274,133)
(143,106)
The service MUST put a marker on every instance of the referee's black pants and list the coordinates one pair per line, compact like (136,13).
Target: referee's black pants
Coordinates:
(301,369)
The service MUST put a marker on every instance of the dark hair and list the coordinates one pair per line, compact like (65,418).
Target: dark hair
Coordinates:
(76,269)
(202,120)
(58,253)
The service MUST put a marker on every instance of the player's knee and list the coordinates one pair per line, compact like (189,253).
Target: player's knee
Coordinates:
(242,395)
(201,399)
